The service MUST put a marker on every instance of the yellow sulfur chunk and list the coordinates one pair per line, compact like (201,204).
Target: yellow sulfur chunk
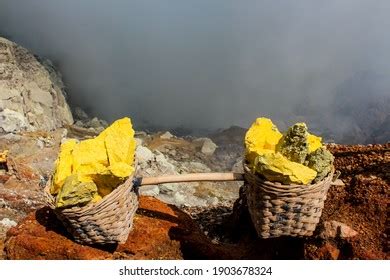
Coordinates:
(275,167)
(96,198)
(64,165)
(106,183)
(120,145)
(90,156)
(261,137)
(121,169)
(105,161)
(315,142)
(88,170)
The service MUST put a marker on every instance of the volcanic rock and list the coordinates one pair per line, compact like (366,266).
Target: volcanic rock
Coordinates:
(207,146)
(96,123)
(328,251)
(32,94)
(166,135)
(149,191)
(80,114)
(143,154)
(8,223)
(12,121)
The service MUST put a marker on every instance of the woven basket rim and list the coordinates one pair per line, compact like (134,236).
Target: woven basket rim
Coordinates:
(287,187)
(89,206)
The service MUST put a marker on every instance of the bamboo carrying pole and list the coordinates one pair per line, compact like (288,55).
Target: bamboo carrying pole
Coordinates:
(194,177)
(199,177)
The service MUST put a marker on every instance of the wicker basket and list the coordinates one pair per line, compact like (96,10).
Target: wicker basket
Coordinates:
(108,221)
(285,210)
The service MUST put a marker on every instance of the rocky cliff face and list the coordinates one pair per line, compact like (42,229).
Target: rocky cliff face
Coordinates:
(32,94)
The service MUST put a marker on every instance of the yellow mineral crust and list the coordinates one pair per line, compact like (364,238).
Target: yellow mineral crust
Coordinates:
(120,146)
(90,157)
(63,165)
(315,142)
(276,168)
(74,192)
(105,160)
(261,138)
(3,156)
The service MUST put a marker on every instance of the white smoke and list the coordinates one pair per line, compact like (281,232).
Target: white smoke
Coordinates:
(210,64)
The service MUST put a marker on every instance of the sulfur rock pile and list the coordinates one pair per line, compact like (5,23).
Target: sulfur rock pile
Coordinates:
(87,171)
(297,157)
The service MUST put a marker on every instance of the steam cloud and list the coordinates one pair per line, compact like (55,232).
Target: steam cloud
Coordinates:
(211,64)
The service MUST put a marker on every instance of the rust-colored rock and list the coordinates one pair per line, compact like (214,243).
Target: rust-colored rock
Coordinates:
(160,231)
(333,229)
(327,251)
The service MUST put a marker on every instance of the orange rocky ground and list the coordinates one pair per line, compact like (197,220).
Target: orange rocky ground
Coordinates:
(364,202)
(160,232)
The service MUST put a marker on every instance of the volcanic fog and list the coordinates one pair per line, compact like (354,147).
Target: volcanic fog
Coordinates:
(199,66)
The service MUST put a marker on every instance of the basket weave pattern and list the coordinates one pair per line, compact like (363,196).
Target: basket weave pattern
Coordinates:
(108,221)
(285,210)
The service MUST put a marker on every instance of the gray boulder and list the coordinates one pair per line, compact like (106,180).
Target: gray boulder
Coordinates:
(143,154)
(206,146)
(166,135)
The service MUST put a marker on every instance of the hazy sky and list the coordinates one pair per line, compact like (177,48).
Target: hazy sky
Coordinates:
(206,64)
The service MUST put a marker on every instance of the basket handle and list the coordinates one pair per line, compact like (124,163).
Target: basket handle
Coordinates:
(199,177)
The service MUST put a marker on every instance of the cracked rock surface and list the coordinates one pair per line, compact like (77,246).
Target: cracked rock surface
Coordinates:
(32,95)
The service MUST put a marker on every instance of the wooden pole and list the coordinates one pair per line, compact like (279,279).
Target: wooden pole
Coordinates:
(194,177)
(199,177)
